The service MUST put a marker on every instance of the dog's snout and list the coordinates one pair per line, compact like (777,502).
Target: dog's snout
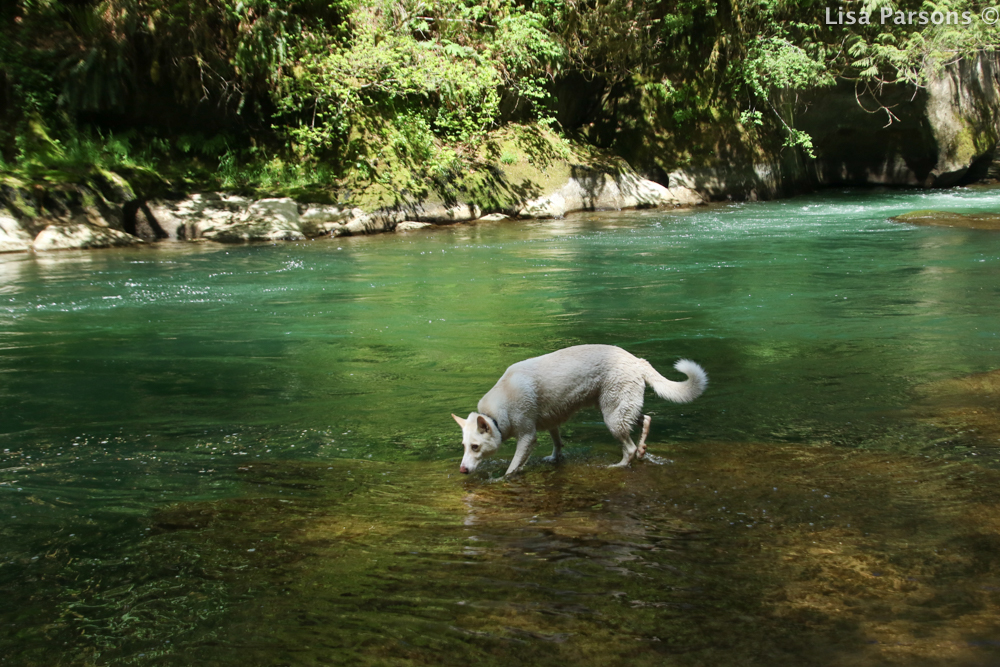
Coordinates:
(463,469)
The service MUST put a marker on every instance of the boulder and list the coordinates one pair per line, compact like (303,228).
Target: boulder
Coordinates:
(410,225)
(285,209)
(228,218)
(182,219)
(80,236)
(442,213)
(12,237)
(360,222)
(261,227)
(322,219)
(493,217)
(741,182)
(595,190)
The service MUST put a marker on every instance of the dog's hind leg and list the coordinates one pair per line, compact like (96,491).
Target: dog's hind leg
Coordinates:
(619,423)
(628,453)
(556,446)
(641,447)
(622,406)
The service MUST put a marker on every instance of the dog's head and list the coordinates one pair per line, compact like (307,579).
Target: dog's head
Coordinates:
(479,437)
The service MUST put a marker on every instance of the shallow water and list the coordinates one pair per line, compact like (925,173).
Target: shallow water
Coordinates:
(244,454)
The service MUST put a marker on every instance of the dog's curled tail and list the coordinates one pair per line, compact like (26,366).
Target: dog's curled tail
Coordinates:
(678,392)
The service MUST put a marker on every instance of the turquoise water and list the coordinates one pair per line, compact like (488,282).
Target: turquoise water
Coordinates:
(140,388)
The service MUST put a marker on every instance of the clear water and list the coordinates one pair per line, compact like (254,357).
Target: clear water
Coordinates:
(244,455)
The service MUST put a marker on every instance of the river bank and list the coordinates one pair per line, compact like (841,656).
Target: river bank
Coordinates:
(107,212)
(550,179)
(944,134)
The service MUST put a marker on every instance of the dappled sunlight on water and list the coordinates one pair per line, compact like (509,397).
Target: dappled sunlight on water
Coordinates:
(743,553)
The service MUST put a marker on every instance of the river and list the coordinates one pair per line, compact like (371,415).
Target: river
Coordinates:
(244,454)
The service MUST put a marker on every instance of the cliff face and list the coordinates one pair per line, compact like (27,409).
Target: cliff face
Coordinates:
(942,135)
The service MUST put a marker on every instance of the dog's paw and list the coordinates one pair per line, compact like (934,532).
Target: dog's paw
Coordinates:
(551,459)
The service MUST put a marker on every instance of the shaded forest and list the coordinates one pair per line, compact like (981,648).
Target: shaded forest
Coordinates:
(300,95)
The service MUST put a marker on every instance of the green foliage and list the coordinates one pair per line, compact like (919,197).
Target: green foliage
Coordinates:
(78,153)
(407,88)
(774,63)
(527,47)
(271,93)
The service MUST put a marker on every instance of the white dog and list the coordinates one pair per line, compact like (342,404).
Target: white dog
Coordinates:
(544,392)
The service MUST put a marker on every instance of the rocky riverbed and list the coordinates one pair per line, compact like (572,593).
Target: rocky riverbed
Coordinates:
(951,219)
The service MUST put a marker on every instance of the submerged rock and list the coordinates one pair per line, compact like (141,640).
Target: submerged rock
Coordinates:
(80,236)
(949,219)
(967,406)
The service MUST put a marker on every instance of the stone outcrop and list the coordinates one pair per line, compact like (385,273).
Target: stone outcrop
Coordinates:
(227,218)
(993,168)
(786,175)
(410,225)
(941,135)
(322,219)
(89,214)
(12,237)
(596,190)
(78,236)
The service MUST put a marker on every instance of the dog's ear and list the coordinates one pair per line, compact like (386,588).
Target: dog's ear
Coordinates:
(483,424)
(461,422)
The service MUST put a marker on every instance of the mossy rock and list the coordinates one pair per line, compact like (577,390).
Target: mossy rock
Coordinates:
(949,219)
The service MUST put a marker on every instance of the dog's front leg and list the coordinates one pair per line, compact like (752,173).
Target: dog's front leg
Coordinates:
(525,444)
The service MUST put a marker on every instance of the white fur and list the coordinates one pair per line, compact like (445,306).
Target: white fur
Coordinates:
(543,392)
